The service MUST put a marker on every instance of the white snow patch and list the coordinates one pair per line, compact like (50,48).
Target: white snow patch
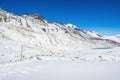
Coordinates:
(60,70)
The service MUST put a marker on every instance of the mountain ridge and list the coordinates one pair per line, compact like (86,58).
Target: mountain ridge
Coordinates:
(33,36)
(35,22)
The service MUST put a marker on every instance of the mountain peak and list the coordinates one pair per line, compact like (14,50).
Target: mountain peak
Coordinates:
(2,11)
(71,25)
(35,16)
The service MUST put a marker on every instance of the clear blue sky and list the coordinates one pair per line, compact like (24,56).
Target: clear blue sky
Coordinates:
(102,16)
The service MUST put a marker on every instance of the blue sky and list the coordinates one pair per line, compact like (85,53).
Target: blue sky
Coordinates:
(102,16)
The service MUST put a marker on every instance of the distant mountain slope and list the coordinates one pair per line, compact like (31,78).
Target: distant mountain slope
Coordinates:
(115,38)
(31,25)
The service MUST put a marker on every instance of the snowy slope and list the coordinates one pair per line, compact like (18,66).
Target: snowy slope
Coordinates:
(115,38)
(32,37)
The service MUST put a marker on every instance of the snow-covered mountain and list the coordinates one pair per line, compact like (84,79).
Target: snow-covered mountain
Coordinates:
(115,37)
(31,34)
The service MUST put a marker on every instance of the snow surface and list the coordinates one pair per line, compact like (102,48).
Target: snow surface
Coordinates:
(60,70)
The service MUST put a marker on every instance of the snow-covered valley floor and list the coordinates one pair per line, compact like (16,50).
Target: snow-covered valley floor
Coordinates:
(60,70)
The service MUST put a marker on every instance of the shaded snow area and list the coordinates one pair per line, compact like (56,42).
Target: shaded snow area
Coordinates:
(60,70)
